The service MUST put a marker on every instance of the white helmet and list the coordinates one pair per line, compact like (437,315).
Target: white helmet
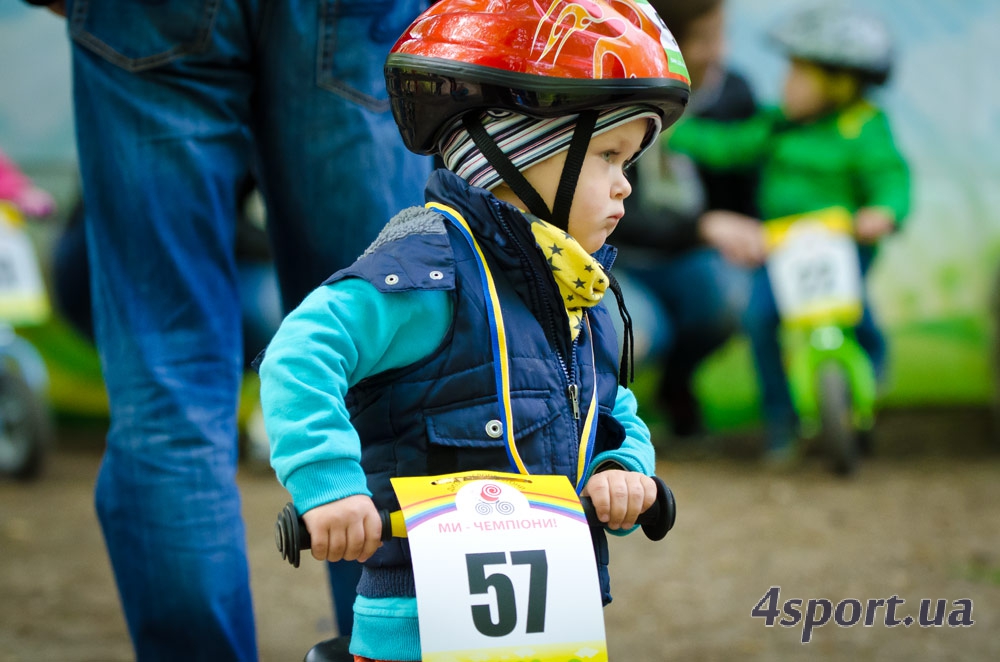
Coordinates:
(838,36)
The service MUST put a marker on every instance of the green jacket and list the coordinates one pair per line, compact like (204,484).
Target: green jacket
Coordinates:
(845,159)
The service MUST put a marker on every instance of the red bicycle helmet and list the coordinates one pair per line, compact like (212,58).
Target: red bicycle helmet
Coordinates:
(541,58)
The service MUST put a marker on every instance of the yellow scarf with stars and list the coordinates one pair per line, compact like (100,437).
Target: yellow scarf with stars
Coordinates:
(581,279)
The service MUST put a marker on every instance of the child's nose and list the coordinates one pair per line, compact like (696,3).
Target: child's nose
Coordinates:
(623,187)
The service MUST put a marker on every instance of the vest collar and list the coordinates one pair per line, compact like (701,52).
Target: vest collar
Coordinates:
(479,207)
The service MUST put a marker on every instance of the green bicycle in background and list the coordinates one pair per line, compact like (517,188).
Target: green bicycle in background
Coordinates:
(815,274)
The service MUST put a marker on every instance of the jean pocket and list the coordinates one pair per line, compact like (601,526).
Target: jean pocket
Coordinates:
(354,39)
(137,35)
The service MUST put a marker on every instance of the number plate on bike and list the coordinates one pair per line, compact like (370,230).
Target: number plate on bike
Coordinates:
(814,269)
(504,568)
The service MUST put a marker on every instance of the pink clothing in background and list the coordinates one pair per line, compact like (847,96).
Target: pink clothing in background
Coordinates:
(18,189)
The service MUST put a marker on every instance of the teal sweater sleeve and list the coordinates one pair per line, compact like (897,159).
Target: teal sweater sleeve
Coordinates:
(636,452)
(337,336)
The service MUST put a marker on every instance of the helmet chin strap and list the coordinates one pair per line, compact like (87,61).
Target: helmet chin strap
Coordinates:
(512,177)
(575,155)
(505,168)
(564,200)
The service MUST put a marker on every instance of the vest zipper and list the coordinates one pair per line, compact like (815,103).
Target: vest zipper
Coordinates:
(574,396)
(573,388)
(573,391)
(569,372)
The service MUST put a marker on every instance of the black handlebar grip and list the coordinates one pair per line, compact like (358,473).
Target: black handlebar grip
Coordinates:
(663,512)
(290,535)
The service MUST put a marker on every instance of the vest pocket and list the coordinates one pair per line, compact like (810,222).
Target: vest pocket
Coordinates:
(467,436)
(474,424)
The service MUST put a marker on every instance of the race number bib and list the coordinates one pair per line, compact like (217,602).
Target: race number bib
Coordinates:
(23,299)
(504,569)
(815,275)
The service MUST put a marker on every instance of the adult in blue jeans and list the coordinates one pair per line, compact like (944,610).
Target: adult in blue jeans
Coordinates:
(175,104)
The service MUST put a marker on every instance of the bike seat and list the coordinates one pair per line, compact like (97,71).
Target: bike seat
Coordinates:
(331,650)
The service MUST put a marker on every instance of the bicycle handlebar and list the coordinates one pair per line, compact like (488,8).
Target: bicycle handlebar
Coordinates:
(291,535)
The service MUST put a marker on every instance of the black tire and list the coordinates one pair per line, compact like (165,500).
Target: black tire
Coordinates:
(25,427)
(839,438)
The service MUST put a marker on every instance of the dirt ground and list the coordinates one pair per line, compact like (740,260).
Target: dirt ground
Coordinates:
(919,521)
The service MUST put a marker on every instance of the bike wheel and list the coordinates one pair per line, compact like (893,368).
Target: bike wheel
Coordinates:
(837,432)
(25,430)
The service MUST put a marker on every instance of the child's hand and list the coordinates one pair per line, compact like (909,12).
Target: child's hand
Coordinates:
(738,237)
(348,529)
(619,497)
(871,224)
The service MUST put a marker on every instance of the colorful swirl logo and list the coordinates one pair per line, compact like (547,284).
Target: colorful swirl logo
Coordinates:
(490,500)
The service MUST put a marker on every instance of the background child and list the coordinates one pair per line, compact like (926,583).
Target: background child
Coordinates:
(389,369)
(827,145)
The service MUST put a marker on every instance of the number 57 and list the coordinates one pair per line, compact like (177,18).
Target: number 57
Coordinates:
(503,587)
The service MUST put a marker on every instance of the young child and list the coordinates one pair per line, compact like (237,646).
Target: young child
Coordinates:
(827,145)
(389,368)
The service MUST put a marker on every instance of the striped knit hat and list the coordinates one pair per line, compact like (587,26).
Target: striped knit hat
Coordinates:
(528,140)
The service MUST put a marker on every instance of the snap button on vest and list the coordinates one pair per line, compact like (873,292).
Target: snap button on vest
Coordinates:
(494,428)
(391,279)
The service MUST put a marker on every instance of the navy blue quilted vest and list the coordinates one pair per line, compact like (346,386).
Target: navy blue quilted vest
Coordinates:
(441,414)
